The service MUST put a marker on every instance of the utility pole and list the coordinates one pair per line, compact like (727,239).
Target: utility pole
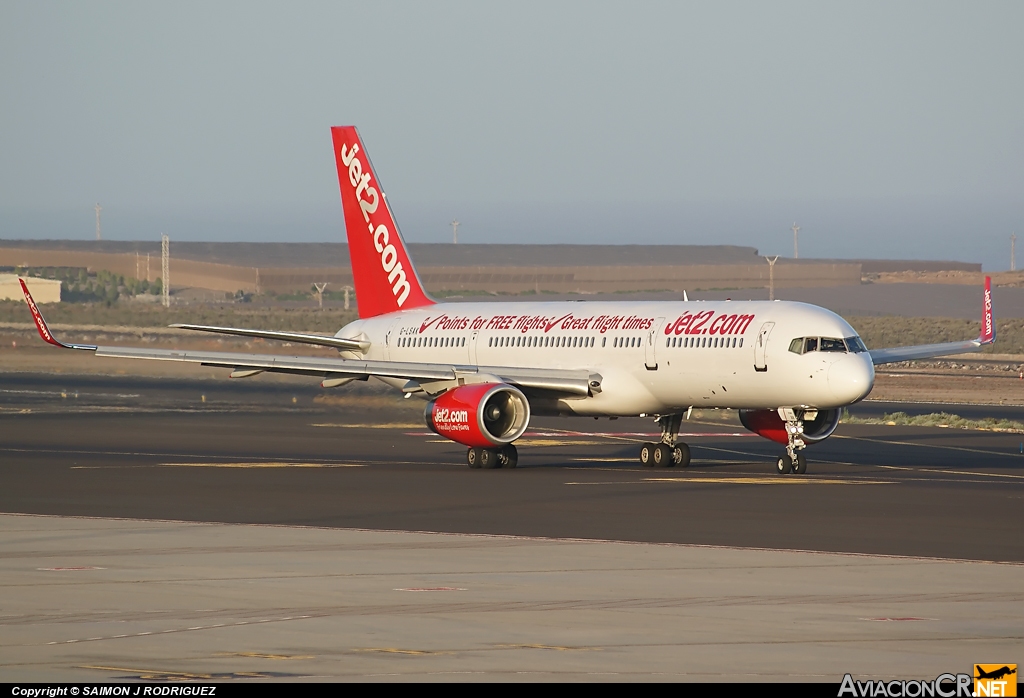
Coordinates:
(346,289)
(1013,252)
(320,293)
(165,270)
(455,232)
(98,209)
(796,238)
(771,277)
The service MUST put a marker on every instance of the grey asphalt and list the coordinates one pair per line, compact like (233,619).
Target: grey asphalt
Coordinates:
(194,530)
(272,454)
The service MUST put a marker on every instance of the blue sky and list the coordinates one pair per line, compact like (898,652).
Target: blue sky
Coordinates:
(884,129)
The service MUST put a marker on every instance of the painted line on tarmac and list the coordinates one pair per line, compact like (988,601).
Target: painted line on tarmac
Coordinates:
(917,445)
(270,464)
(393,425)
(949,472)
(180,630)
(753,480)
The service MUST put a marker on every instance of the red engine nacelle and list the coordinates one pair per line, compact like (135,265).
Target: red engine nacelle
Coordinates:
(481,415)
(768,424)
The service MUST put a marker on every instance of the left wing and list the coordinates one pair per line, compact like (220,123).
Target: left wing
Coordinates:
(565,381)
(928,351)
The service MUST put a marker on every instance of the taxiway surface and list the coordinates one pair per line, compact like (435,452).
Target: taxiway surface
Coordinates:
(281,454)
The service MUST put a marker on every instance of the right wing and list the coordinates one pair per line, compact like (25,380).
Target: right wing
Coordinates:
(563,381)
(987,335)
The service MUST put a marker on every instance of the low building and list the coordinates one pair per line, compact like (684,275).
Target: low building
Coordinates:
(43,290)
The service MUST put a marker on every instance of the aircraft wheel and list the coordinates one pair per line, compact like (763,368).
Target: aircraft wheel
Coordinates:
(800,464)
(784,466)
(662,456)
(508,456)
(647,455)
(473,458)
(489,459)
(681,455)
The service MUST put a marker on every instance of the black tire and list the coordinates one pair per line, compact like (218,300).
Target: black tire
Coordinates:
(489,459)
(784,466)
(662,456)
(508,456)
(473,458)
(800,465)
(647,455)
(681,455)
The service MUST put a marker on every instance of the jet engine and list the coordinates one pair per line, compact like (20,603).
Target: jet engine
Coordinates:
(480,415)
(768,424)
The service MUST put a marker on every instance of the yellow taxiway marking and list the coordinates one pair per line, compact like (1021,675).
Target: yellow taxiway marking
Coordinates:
(550,647)
(950,472)
(396,650)
(393,425)
(264,465)
(940,446)
(754,480)
(553,442)
(260,655)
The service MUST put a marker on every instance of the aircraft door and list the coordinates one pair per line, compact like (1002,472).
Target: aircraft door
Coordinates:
(651,345)
(389,340)
(472,348)
(760,345)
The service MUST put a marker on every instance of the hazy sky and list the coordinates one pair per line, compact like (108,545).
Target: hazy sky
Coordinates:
(884,129)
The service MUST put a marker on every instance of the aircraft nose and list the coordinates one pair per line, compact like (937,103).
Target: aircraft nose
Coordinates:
(850,378)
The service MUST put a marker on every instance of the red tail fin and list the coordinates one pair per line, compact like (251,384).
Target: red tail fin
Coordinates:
(382,271)
(988,325)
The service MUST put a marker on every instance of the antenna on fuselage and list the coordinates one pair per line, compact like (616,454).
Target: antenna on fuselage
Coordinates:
(684,296)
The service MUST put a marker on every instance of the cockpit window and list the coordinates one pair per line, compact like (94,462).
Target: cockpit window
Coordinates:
(802,345)
(855,345)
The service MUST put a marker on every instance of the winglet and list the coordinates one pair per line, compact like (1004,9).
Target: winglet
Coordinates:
(988,325)
(44,331)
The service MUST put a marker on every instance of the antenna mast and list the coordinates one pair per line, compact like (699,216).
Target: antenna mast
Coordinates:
(98,209)
(796,239)
(771,276)
(1013,252)
(455,232)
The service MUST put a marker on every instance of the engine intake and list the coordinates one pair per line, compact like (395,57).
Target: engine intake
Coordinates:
(480,415)
(768,424)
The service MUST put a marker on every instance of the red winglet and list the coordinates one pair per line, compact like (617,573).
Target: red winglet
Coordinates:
(44,331)
(988,325)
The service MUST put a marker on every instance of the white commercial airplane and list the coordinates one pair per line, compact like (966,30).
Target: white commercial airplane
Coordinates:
(486,368)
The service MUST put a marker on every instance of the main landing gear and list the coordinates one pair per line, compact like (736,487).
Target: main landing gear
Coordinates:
(667,453)
(488,458)
(793,460)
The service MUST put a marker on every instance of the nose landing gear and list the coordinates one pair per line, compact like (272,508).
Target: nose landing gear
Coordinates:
(794,460)
(667,453)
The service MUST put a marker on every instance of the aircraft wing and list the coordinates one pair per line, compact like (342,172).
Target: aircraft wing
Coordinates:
(297,337)
(565,381)
(929,351)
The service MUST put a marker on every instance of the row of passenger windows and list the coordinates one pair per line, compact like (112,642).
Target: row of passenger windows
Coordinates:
(432,341)
(536,341)
(802,345)
(714,342)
